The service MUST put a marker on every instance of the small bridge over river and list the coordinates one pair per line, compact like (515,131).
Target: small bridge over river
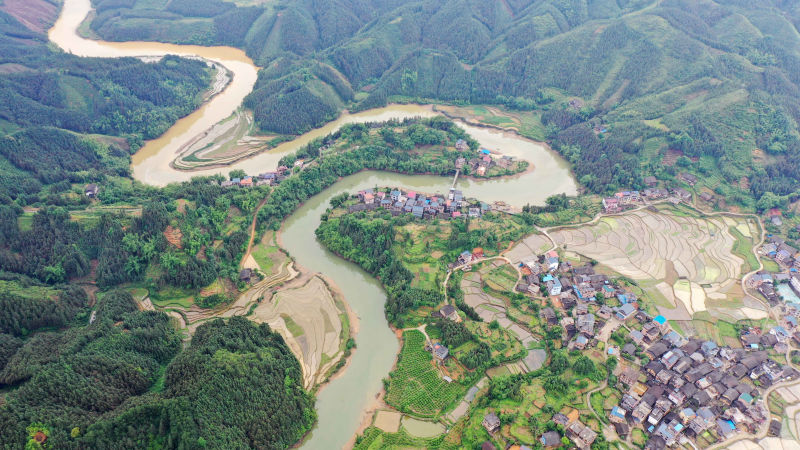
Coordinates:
(455,178)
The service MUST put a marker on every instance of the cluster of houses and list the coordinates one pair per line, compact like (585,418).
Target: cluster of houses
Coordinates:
(484,161)
(621,201)
(581,435)
(421,206)
(628,199)
(691,387)
(788,259)
(574,290)
(264,179)
(624,200)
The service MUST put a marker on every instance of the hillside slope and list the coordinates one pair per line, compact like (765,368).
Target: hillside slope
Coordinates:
(51,102)
(723,72)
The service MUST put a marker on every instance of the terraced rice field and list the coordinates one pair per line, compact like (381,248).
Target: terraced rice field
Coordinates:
(678,259)
(490,308)
(535,244)
(310,322)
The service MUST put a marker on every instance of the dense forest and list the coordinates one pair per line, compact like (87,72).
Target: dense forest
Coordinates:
(56,248)
(715,78)
(54,107)
(369,244)
(123,381)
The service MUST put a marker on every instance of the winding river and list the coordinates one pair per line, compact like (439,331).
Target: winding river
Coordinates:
(341,405)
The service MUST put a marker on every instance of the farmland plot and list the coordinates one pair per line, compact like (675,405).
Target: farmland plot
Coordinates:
(683,259)
(416,386)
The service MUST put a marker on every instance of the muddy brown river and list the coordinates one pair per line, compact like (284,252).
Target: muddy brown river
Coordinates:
(340,405)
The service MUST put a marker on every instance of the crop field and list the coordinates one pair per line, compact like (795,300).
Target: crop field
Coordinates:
(510,339)
(421,248)
(526,123)
(529,248)
(679,259)
(502,278)
(415,386)
(309,320)
(743,248)
(266,253)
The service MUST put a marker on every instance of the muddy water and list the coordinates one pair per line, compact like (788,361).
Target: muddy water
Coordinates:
(151,162)
(340,405)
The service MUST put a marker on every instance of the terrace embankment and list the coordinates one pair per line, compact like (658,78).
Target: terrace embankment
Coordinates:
(687,263)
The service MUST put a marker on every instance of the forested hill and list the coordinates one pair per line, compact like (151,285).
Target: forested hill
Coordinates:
(51,101)
(124,382)
(725,72)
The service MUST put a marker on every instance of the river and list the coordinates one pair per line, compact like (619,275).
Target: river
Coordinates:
(342,403)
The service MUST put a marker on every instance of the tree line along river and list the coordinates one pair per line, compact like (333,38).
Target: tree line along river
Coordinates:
(342,404)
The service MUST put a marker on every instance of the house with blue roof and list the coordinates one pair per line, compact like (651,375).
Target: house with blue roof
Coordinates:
(709,348)
(618,415)
(780,333)
(553,286)
(625,311)
(725,428)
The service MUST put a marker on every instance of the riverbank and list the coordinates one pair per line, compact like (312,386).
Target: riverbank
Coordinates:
(342,402)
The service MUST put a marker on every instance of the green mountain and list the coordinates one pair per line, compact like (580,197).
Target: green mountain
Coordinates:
(723,72)
(52,102)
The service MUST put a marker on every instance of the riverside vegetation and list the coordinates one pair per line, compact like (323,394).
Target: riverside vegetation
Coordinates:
(173,242)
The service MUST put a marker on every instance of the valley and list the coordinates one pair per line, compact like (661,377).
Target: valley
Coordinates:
(399,239)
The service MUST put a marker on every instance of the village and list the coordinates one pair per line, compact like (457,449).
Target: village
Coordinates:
(265,179)
(419,205)
(625,200)
(676,390)
(780,283)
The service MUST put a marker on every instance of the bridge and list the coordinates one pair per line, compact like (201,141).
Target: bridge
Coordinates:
(455,178)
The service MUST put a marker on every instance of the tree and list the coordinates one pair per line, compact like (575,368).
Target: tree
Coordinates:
(558,363)
(237,173)
(583,366)
(768,201)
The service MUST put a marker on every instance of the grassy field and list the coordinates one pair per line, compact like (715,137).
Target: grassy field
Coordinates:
(265,253)
(374,439)
(526,123)
(415,386)
(743,247)
(25,221)
(770,265)
(172,296)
